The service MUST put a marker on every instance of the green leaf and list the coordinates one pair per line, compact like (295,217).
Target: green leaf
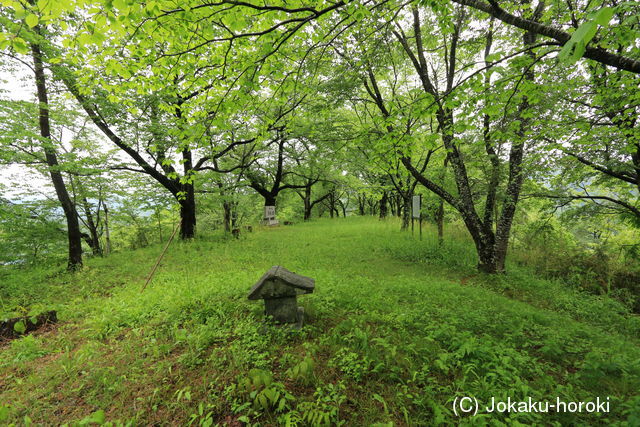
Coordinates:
(31,20)
(575,47)
(98,417)
(20,327)
(44,5)
(603,16)
(4,413)
(19,45)
(585,32)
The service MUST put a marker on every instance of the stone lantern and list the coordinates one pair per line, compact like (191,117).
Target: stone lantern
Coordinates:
(279,288)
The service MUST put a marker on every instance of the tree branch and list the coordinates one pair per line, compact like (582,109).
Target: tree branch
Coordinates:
(595,53)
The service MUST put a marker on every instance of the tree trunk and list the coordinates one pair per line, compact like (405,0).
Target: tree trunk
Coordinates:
(188,213)
(490,206)
(270,199)
(107,236)
(373,206)
(440,222)
(332,203)
(95,242)
(307,202)
(343,206)
(188,208)
(226,216)
(73,227)
(393,206)
(440,211)
(406,209)
(491,245)
(383,205)
(362,203)
(487,260)
(516,156)
(234,214)
(94,238)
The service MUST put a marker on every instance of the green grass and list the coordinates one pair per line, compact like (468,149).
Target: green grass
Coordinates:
(396,330)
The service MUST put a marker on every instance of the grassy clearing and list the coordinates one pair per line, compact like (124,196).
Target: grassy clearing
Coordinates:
(396,330)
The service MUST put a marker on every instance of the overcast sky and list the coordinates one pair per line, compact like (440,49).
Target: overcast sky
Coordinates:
(19,85)
(14,86)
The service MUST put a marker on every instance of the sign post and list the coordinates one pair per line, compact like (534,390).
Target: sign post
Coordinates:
(412,225)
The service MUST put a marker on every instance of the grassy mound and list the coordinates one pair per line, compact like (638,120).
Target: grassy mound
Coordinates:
(396,331)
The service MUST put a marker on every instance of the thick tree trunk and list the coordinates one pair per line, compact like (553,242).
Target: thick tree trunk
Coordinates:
(188,202)
(487,261)
(270,199)
(73,227)
(188,213)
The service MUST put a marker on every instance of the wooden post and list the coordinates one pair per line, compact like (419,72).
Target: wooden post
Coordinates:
(153,270)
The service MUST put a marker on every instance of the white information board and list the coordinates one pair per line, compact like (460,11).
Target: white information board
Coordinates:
(270,216)
(269,212)
(416,205)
